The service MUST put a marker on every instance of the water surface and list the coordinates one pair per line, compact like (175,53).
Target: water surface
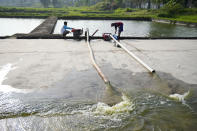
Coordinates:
(131,28)
(146,104)
(11,26)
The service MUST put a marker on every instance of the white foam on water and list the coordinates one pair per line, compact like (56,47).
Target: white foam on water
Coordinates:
(162,102)
(124,106)
(7,88)
(180,97)
(4,71)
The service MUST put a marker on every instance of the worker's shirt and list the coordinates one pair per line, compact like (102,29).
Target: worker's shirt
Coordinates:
(65,28)
(119,25)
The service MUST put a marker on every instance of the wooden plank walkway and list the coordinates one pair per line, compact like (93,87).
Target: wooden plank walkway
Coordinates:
(47,27)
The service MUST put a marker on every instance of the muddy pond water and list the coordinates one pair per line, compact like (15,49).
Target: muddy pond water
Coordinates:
(74,103)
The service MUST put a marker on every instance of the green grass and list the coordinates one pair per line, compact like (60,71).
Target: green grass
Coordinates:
(188,15)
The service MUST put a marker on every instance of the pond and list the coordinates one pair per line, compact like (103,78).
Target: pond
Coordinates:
(131,28)
(11,26)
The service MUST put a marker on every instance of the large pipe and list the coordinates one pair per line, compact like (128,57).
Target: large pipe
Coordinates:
(94,62)
(134,56)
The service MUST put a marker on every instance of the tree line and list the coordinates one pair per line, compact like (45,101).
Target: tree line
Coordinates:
(55,3)
(114,4)
(148,4)
(105,4)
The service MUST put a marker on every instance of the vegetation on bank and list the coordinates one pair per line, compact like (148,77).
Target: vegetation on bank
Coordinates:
(169,12)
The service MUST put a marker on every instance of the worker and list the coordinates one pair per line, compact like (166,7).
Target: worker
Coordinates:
(118,25)
(65,29)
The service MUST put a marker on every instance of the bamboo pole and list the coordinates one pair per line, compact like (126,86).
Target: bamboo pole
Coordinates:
(134,56)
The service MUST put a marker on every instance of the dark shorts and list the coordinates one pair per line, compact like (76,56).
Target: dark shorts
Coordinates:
(66,32)
(121,28)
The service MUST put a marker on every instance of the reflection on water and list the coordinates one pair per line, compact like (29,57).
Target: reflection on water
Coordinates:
(162,30)
(62,106)
(131,28)
(10,26)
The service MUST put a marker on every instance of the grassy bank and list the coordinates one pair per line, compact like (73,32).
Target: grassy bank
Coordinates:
(92,13)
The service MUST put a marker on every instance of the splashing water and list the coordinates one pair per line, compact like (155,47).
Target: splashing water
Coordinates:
(124,106)
(180,97)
